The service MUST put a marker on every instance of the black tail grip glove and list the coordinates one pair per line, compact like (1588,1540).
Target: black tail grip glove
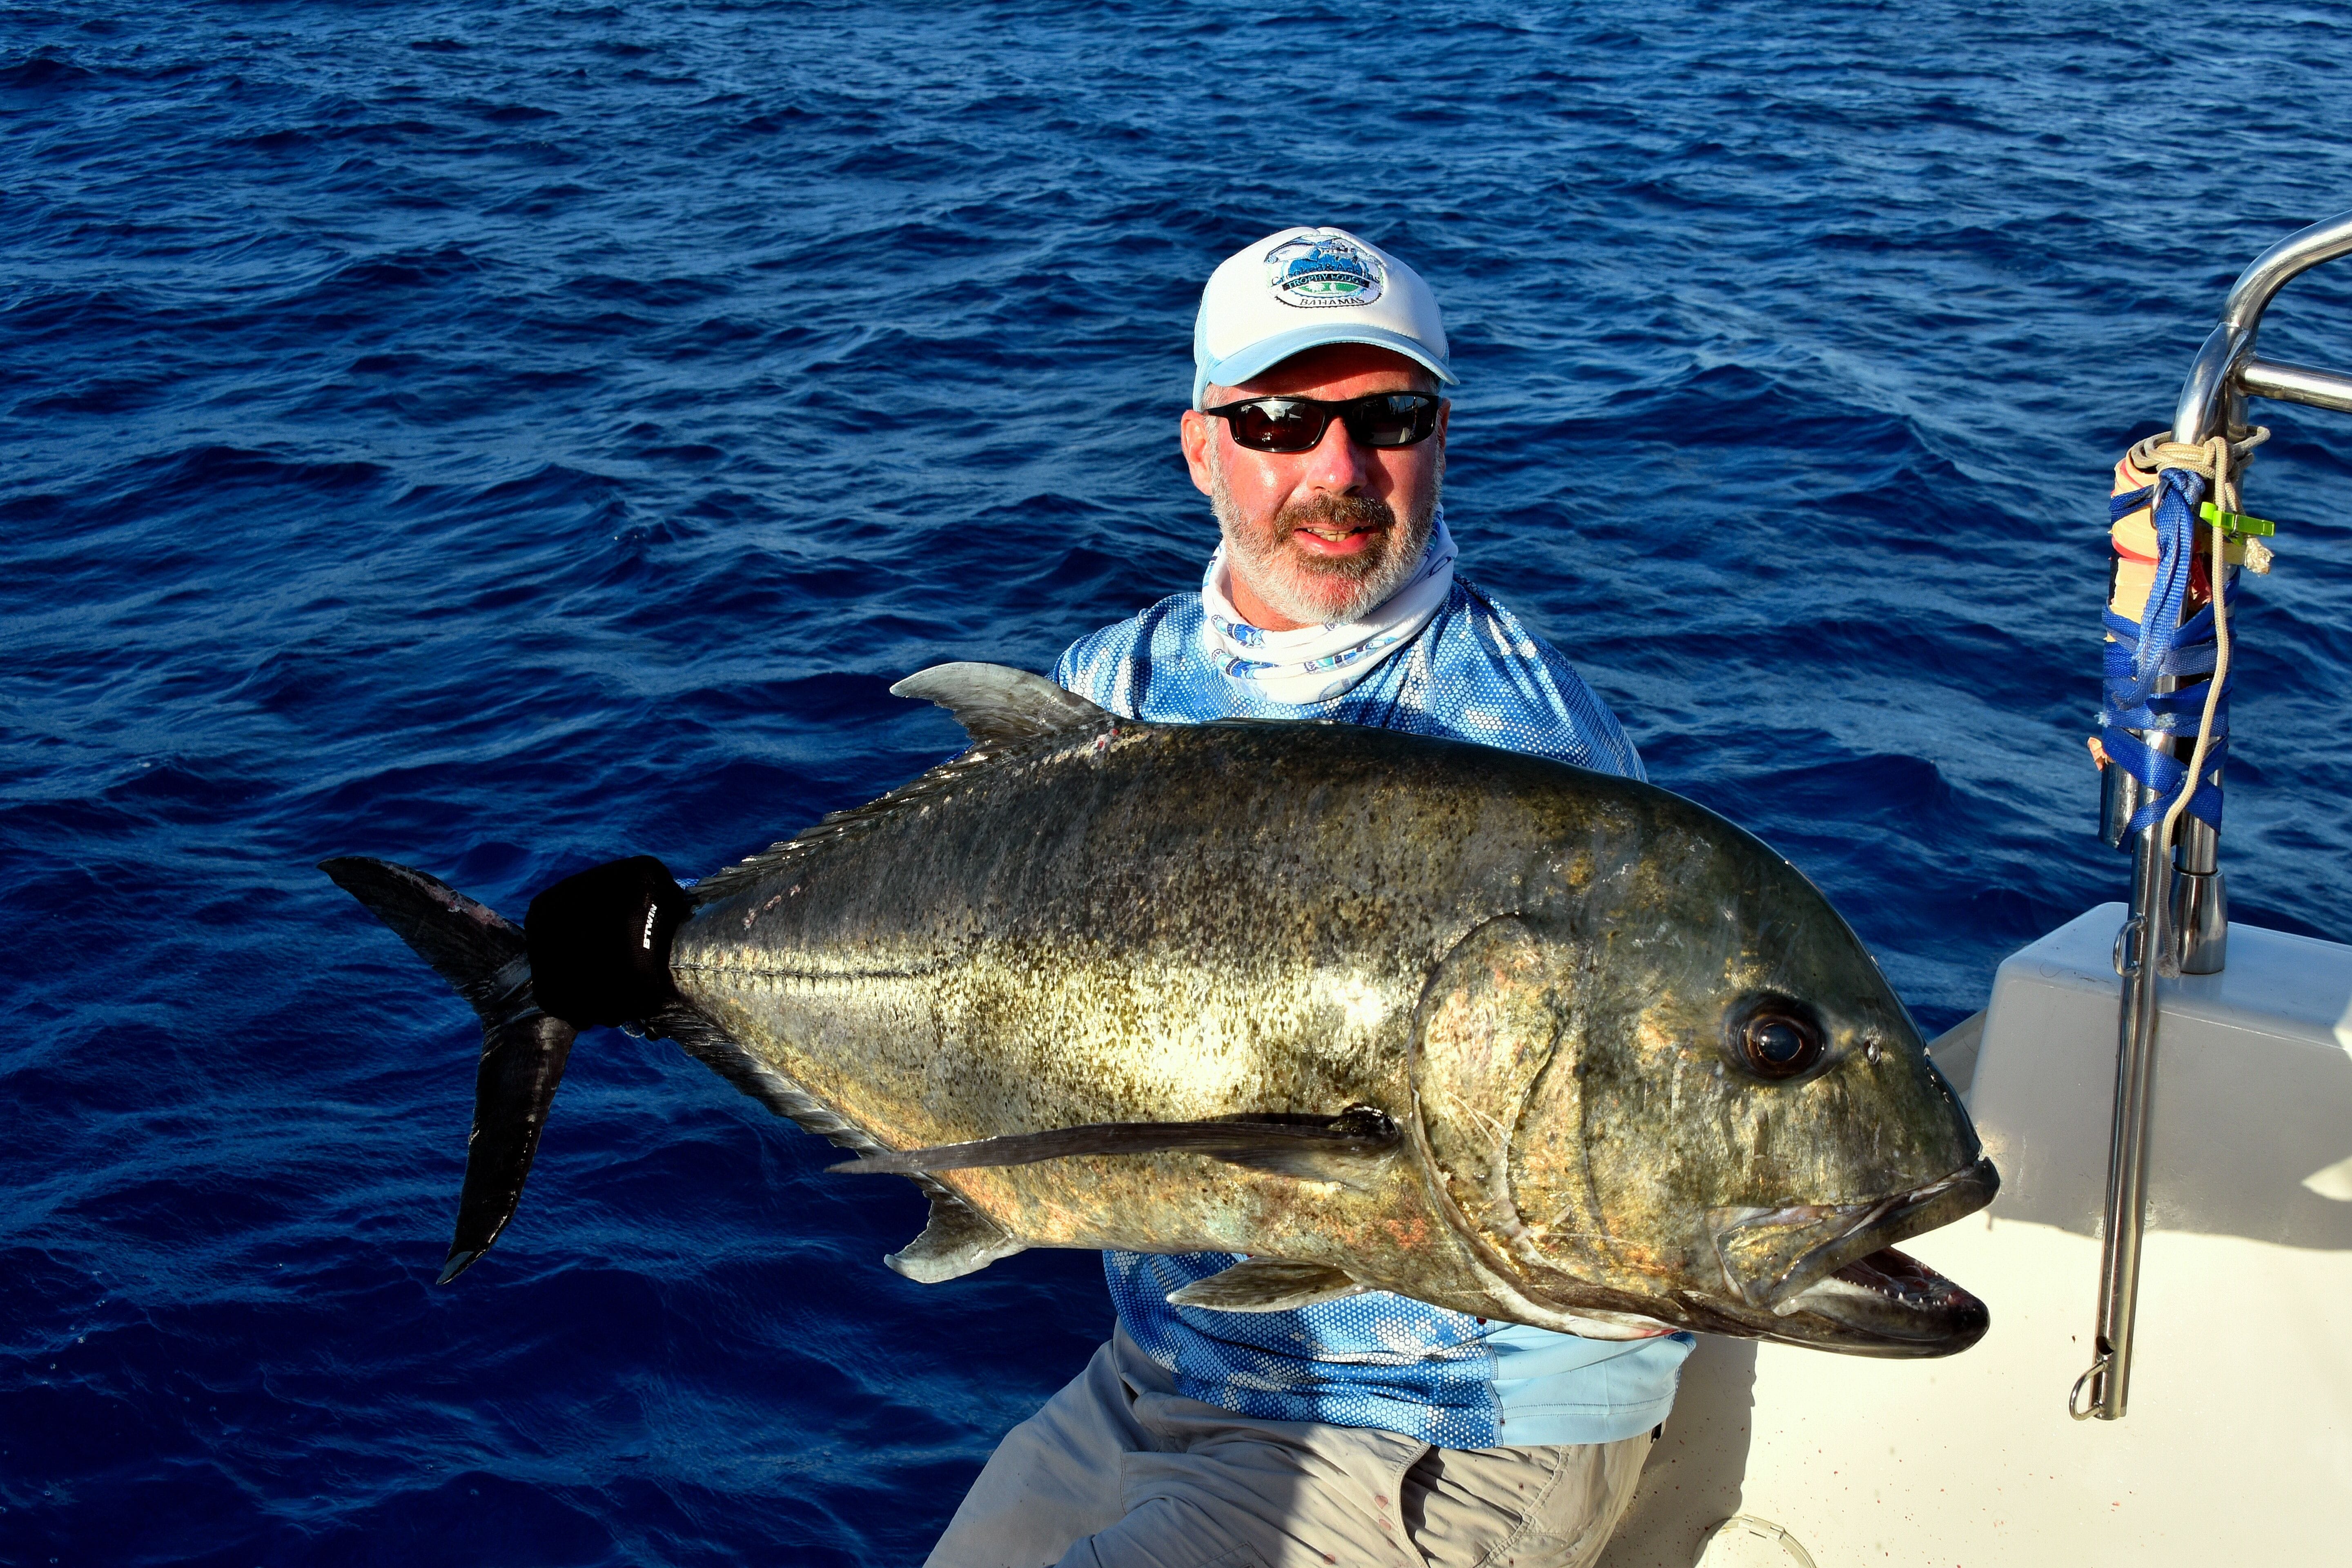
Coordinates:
(600,941)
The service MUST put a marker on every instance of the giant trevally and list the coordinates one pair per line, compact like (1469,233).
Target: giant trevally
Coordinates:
(1379,1011)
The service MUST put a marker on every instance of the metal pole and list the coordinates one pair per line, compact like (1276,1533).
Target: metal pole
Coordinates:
(2144,937)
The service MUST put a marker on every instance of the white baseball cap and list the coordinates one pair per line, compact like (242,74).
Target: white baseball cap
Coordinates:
(1302,288)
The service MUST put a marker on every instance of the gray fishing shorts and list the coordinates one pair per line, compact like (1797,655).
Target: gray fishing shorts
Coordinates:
(1120,1471)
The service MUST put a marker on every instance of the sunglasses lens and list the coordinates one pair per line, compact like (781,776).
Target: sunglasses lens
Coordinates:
(1296,424)
(1397,420)
(1278,424)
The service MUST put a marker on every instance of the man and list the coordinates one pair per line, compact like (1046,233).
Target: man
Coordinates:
(1371,1430)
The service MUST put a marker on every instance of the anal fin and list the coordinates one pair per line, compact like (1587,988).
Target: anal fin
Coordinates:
(1268,1285)
(959,1240)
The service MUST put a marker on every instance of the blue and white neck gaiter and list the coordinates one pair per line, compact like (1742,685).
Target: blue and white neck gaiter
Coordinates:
(1315,664)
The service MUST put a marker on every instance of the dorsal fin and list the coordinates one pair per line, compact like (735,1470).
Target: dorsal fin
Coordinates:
(996,704)
(1000,708)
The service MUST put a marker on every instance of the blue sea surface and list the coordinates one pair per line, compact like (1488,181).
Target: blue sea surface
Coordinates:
(505,436)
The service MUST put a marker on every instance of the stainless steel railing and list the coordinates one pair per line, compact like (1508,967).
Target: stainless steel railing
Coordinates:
(2179,915)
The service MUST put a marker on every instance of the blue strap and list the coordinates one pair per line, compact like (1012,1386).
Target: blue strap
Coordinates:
(2160,644)
(2162,772)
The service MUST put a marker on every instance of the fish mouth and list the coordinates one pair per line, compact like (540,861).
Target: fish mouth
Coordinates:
(1887,1303)
(1774,1256)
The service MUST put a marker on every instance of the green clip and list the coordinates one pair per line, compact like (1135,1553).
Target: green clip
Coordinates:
(2237,524)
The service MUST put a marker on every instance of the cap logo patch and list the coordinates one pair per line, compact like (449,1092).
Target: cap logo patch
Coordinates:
(1324,267)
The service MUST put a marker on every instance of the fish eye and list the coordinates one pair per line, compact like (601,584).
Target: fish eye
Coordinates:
(1778,1041)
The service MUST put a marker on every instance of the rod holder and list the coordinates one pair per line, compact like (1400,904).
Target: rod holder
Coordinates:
(2200,917)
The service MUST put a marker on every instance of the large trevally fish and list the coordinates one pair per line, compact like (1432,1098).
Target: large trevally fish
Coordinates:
(1379,1011)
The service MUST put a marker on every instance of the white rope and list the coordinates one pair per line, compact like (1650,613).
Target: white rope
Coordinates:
(2210,459)
(2219,578)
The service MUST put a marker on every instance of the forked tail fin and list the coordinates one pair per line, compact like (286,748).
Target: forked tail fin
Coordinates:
(485,957)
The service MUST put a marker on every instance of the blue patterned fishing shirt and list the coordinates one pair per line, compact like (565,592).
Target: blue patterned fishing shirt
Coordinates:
(1379,1360)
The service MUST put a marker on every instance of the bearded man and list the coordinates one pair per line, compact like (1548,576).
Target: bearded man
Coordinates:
(1373,1430)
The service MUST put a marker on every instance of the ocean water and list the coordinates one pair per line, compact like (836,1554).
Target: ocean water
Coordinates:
(501,437)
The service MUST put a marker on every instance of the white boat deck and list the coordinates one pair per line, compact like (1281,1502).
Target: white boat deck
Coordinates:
(2237,1444)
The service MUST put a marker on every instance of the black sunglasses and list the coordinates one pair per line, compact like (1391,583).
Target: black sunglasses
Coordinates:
(1296,424)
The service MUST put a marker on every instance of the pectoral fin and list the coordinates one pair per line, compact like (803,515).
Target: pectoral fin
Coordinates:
(1345,1148)
(1268,1285)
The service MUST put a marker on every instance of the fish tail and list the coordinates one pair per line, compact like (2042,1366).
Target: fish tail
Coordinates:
(594,949)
